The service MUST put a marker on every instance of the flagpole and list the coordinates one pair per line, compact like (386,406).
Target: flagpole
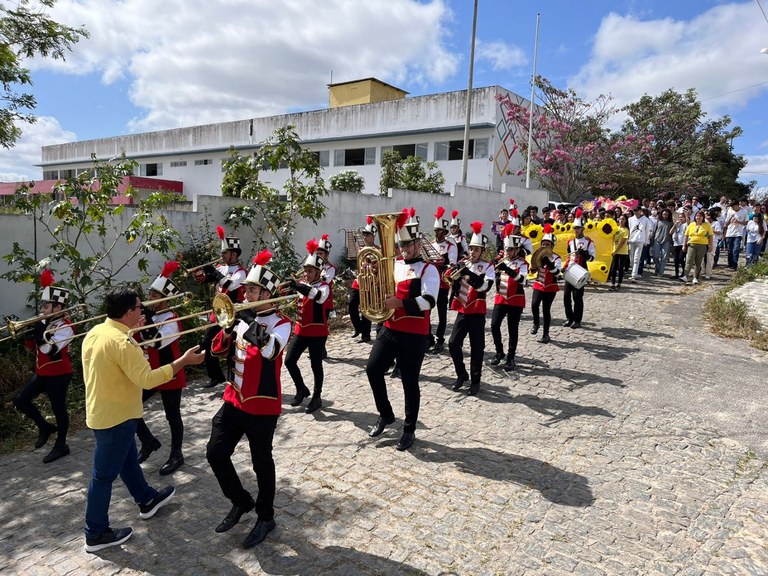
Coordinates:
(465,155)
(530,112)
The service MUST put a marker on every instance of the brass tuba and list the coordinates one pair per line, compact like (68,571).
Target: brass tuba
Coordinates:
(376,270)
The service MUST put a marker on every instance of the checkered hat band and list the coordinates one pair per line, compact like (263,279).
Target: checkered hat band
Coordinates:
(314,260)
(441,224)
(512,242)
(324,245)
(264,277)
(408,232)
(55,294)
(165,286)
(478,240)
(230,243)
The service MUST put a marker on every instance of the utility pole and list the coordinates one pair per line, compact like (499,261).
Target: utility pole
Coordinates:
(465,156)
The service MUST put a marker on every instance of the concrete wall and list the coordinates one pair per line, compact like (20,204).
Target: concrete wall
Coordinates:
(345,210)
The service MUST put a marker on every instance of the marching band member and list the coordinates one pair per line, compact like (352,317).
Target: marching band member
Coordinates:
(311,328)
(159,354)
(328,273)
(473,285)
(404,335)
(526,246)
(252,402)
(447,248)
(457,236)
(53,369)
(509,303)
(545,286)
(228,277)
(581,250)
(361,323)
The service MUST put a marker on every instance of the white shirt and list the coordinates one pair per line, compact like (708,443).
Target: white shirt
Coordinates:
(737,220)
(753,231)
(640,229)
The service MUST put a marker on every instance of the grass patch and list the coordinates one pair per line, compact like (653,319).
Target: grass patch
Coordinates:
(730,318)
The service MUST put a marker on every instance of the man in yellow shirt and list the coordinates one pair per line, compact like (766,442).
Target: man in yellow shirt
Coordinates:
(115,373)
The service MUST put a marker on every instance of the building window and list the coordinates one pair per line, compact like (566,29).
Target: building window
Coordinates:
(204,162)
(323,158)
(50,174)
(178,163)
(354,157)
(64,174)
(454,150)
(406,150)
(151,169)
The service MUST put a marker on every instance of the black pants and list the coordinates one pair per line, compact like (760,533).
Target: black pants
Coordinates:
(360,322)
(619,263)
(172,407)
(229,426)
(296,347)
(474,325)
(212,363)
(512,314)
(409,351)
(574,303)
(55,387)
(679,256)
(442,313)
(546,298)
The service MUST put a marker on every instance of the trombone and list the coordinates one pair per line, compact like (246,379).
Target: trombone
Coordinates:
(223,309)
(15,327)
(191,271)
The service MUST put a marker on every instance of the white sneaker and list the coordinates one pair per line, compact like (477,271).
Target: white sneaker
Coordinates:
(707,277)
(695,280)
(684,279)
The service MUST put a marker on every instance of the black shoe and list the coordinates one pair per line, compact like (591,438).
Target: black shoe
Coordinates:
(325,354)
(576,325)
(439,346)
(497,358)
(147,449)
(406,441)
(175,460)
(150,508)
(365,338)
(510,364)
(300,395)
(459,382)
(56,453)
(234,517)
(314,404)
(535,329)
(567,323)
(612,287)
(43,435)
(395,372)
(544,339)
(378,428)
(356,334)
(473,389)
(212,383)
(259,533)
(107,538)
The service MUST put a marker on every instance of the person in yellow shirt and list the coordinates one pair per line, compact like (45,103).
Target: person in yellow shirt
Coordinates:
(697,242)
(115,373)
(620,260)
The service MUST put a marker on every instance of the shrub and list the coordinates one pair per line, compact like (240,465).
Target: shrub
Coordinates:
(347,181)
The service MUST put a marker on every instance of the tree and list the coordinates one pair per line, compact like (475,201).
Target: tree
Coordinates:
(567,131)
(273,214)
(26,32)
(347,181)
(413,173)
(86,228)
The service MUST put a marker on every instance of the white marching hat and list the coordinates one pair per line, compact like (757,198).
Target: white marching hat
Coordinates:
(52,293)
(548,234)
(313,258)
(323,243)
(455,221)
(440,222)
(407,227)
(370,227)
(511,240)
(228,242)
(163,283)
(260,275)
(478,238)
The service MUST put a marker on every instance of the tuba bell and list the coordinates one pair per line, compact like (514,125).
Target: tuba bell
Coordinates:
(376,270)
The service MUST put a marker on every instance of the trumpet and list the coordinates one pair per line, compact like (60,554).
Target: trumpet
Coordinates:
(223,309)
(456,271)
(14,327)
(193,270)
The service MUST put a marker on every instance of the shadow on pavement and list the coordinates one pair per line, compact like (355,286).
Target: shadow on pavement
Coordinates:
(558,410)
(631,333)
(576,378)
(556,485)
(600,351)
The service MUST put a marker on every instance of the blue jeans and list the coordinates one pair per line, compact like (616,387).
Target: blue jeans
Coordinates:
(115,454)
(733,244)
(661,255)
(753,252)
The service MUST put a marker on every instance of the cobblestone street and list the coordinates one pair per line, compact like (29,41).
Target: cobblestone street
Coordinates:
(635,445)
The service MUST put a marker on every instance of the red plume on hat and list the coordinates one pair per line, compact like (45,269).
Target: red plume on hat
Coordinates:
(511,201)
(169,268)
(579,212)
(454,213)
(220,232)
(324,237)
(402,219)
(369,220)
(547,229)
(262,258)
(312,245)
(514,213)
(439,212)
(46,278)
(412,212)
(476,226)
(509,230)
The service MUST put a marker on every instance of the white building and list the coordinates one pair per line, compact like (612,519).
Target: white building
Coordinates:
(366,118)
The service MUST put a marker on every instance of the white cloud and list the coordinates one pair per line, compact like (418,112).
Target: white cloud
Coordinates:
(229,59)
(717,53)
(501,55)
(18,163)
(756,168)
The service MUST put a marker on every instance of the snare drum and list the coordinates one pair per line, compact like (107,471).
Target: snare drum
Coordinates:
(577,276)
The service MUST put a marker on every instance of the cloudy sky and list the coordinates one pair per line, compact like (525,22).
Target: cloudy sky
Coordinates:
(150,65)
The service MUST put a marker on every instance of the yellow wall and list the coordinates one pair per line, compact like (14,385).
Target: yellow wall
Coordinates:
(363,92)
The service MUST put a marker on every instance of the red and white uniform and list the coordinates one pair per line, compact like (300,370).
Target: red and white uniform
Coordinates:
(509,292)
(461,243)
(450,253)
(167,350)
(232,283)
(414,281)
(471,300)
(256,388)
(546,280)
(313,317)
(576,244)
(327,275)
(58,335)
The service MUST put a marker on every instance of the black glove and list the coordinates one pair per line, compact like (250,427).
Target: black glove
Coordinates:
(474,280)
(246,316)
(212,274)
(38,333)
(546,261)
(504,268)
(150,334)
(256,335)
(148,314)
(301,288)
